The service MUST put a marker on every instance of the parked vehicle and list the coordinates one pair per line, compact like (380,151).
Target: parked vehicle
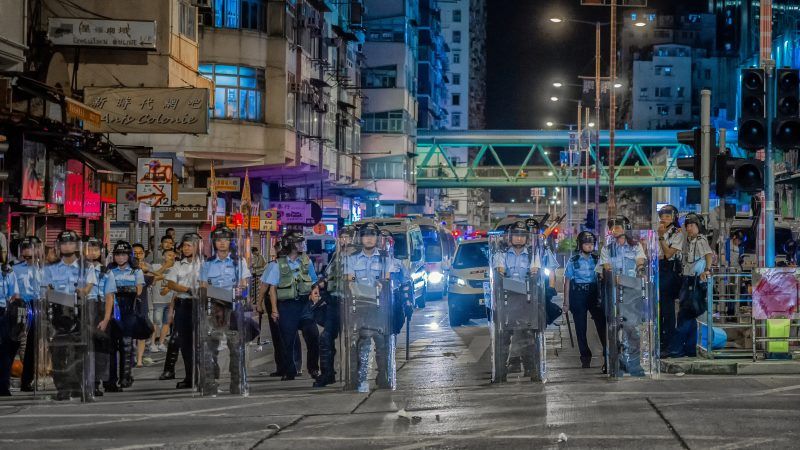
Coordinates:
(439,250)
(464,293)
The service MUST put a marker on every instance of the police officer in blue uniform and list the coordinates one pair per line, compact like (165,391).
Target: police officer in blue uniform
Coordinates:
(100,308)
(29,280)
(372,267)
(66,346)
(624,257)
(12,323)
(224,270)
(583,295)
(184,280)
(129,279)
(289,280)
(670,243)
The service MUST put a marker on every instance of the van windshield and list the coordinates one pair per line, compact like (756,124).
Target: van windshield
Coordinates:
(400,246)
(472,255)
(433,247)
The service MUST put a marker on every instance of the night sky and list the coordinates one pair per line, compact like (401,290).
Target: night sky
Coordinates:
(526,52)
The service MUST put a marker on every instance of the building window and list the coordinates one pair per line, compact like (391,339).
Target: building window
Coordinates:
(681,91)
(456,99)
(380,77)
(238,91)
(385,122)
(455,119)
(663,110)
(456,78)
(456,57)
(247,14)
(663,92)
(643,92)
(188,20)
(456,37)
(456,15)
(678,110)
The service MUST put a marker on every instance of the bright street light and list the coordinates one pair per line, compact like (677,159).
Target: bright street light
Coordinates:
(556,19)
(617,85)
(549,124)
(591,124)
(557,84)
(640,24)
(553,99)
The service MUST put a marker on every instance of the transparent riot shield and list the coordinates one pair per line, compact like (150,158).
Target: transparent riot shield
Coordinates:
(630,297)
(35,358)
(221,355)
(184,280)
(67,323)
(517,303)
(368,276)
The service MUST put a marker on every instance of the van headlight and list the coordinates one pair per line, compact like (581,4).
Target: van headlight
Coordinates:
(435,277)
(458,281)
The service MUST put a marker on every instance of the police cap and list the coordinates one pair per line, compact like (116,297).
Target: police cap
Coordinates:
(122,247)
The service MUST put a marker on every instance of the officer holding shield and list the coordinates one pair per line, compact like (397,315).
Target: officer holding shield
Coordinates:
(64,278)
(227,271)
(623,257)
(583,296)
(184,281)
(100,309)
(129,279)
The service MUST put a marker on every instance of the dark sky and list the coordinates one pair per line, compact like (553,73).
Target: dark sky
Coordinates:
(526,52)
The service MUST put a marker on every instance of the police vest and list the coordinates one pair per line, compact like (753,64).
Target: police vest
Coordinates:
(290,286)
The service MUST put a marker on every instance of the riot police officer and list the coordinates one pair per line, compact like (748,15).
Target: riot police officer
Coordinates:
(368,311)
(227,271)
(623,257)
(129,279)
(29,279)
(696,272)
(289,280)
(184,280)
(518,262)
(100,308)
(12,323)
(68,277)
(583,295)
(670,243)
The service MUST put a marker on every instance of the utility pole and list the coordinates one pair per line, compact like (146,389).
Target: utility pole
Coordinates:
(767,220)
(722,233)
(597,164)
(705,151)
(612,116)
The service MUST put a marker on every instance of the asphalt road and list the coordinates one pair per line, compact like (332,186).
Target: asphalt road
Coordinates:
(444,400)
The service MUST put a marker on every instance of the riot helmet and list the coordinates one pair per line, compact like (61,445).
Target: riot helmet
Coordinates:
(123,253)
(30,248)
(518,234)
(669,212)
(188,247)
(368,235)
(94,249)
(222,238)
(617,226)
(586,237)
(533,225)
(67,243)
(694,219)
(293,240)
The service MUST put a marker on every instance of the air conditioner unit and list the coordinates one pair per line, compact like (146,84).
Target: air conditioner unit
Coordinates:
(294,87)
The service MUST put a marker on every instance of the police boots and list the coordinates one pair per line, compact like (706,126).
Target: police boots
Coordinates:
(126,357)
(173,346)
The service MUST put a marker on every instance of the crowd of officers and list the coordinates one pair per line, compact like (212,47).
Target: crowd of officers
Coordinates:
(292,296)
(684,263)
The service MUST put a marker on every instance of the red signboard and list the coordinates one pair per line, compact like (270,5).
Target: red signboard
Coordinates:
(91,193)
(73,203)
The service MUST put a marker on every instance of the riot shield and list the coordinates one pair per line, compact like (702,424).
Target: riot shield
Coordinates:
(367,283)
(221,355)
(35,358)
(67,323)
(630,296)
(517,303)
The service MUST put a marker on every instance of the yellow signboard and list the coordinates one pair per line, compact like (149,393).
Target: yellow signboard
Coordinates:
(268,225)
(269,214)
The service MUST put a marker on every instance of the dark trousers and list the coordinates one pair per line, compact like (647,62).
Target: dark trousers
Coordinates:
(669,288)
(684,341)
(294,316)
(277,344)
(183,327)
(8,349)
(29,359)
(327,343)
(584,301)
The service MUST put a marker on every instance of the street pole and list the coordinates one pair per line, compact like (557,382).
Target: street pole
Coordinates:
(705,152)
(573,171)
(612,116)
(768,210)
(597,164)
(723,226)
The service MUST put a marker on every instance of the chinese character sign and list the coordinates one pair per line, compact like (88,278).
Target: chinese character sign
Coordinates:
(154,181)
(150,110)
(33,167)
(73,204)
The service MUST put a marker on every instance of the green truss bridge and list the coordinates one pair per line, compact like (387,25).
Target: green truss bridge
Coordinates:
(532,159)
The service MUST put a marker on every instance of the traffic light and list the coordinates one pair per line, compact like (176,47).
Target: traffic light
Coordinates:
(787,110)
(738,175)
(752,120)
(693,139)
